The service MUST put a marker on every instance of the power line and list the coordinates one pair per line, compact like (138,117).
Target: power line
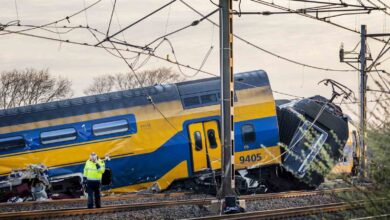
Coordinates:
(373,100)
(238,37)
(137,21)
(375,90)
(149,53)
(384,11)
(99,46)
(112,14)
(201,65)
(267,51)
(273,5)
(16,9)
(67,18)
(194,23)
(387,6)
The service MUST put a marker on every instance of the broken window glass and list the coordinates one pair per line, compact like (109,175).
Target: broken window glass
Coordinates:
(311,136)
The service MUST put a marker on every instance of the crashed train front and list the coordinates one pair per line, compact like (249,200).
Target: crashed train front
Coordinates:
(313,132)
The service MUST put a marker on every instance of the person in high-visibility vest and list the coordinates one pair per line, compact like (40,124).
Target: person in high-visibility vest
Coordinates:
(93,172)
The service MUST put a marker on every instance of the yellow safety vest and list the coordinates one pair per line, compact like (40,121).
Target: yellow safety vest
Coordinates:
(91,172)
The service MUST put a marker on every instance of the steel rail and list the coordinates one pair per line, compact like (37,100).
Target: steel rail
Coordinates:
(292,212)
(119,197)
(105,198)
(147,205)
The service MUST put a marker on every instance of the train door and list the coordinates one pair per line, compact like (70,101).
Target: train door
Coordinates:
(205,145)
(213,143)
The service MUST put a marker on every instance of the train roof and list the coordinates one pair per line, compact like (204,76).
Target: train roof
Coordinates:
(126,98)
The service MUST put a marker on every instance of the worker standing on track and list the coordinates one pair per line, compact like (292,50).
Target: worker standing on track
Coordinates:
(93,171)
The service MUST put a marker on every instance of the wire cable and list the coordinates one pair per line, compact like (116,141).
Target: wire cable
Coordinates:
(112,14)
(16,10)
(198,70)
(194,23)
(138,21)
(67,18)
(267,51)
(273,5)
(201,65)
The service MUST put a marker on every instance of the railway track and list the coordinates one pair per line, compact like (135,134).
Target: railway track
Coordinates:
(292,212)
(38,214)
(288,194)
(105,198)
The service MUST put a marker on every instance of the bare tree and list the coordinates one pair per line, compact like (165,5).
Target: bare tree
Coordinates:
(31,86)
(124,81)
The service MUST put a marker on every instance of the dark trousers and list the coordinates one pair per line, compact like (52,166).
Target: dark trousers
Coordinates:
(93,189)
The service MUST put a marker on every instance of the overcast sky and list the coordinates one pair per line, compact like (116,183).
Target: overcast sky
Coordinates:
(293,36)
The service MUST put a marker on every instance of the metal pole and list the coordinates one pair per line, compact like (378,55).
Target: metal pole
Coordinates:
(227,97)
(363,101)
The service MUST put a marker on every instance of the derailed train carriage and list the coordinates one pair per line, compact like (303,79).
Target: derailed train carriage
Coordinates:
(162,134)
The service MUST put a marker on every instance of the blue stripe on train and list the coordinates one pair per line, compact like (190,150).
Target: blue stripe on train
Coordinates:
(143,168)
(83,129)
(266,131)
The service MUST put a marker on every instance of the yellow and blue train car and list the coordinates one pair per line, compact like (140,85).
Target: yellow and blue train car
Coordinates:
(153,135)
(348,163)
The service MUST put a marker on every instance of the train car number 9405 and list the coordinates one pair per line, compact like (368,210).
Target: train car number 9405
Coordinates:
(250,158)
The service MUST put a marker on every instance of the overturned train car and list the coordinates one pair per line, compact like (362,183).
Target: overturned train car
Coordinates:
(159,135)
(313,133)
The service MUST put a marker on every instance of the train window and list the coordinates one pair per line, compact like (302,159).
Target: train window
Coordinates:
(190,101)
(198,141)
(50,137)
(111,127)
(209,98)
(211,137)
(9,143)
(310,135)
(219,96)
(248,134)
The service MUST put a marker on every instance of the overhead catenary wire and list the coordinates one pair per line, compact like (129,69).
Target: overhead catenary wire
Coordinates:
(273,5)
(85,13)
(119,24)
(175,62)
(384,11)
(105,47)
(16,10)
(194,23)
(137,21)
(112,14)
(141,52)
(207,55)
(66,18)
(381,53)
(384,4)
(267,51)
